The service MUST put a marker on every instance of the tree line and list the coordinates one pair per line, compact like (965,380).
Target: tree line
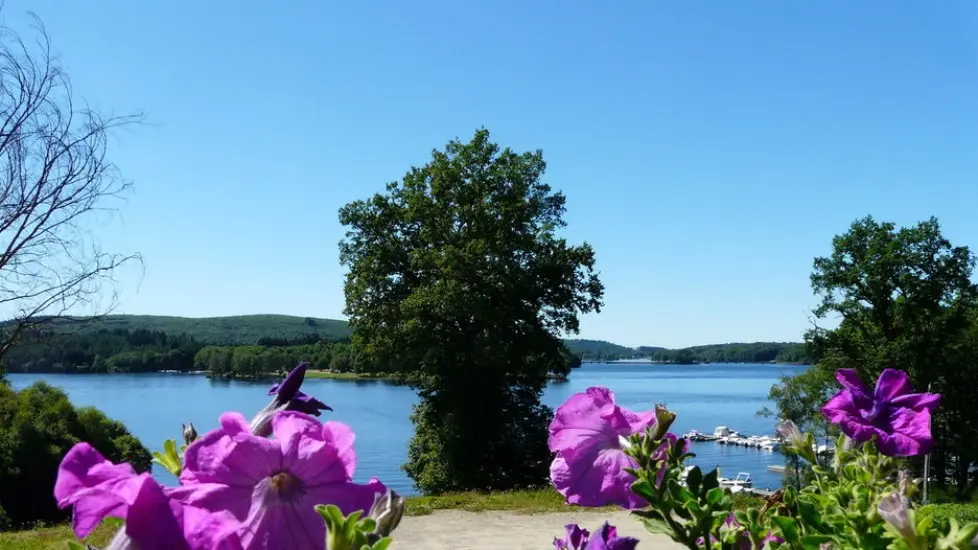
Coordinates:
(755,352)
(141,350)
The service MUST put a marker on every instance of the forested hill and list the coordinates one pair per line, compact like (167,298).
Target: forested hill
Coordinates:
(590,350)
(163,342)
(753,352)
(231,331)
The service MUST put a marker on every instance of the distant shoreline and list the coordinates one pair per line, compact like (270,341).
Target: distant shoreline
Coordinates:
(650,362)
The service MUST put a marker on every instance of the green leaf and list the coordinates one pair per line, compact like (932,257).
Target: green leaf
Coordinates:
(367,525)
(656,526)
(651,513)
(693,480)
(788,528)
(710,480)
(383,543)
(74,545)
(644,489)
(714,496)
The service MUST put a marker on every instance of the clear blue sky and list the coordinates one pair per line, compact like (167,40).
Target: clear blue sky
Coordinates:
(708,150)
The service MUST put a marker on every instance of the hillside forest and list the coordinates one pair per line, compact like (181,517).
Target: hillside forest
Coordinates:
(258,345)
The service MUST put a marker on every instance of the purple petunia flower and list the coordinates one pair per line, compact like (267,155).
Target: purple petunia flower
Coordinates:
(97,488)
(575,539)
(588,433)
(607,539)
(900,420)
(273,486)
(287,398)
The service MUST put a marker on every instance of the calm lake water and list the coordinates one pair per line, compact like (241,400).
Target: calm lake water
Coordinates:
(704,396)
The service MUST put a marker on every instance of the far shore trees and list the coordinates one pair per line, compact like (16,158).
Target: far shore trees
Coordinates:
(55,179)
(457,272)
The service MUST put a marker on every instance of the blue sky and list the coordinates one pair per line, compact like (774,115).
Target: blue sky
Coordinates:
(709,150)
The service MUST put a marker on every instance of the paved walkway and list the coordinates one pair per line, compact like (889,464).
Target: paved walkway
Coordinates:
(451,529)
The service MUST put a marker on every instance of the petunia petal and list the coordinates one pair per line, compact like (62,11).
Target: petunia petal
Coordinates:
(238,459)
(206,531)
(850,380)
(152,521)
(583,412)
(286,424)
(918,401)
(282,525)
(215,497)
(840,407)
(342,437)
(347,496)
(586,424)
(83,467)
(638,422)
(596,482)
(891,384)
(858,429)
(908,434)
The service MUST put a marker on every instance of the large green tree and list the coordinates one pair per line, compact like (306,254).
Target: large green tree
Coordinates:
(458,275)
(904,299)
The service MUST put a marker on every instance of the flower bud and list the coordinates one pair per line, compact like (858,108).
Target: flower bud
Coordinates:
(663,420)
(386,511)
(288,397)
(790,432)
(894,509)
(189,433)
(795,440)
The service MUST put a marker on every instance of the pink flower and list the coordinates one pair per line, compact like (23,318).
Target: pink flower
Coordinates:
(588,433)
(97,488)
(273,486)
(900,420)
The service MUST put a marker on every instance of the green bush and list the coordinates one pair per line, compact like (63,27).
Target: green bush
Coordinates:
(38,425)
(963,513)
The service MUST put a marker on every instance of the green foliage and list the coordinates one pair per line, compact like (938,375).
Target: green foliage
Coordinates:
(457,273)
(233,330)
(38,426)
(962,513)
(906,301)
(599,350)
(258,361)
(170,458)
(756,352)
(116,350)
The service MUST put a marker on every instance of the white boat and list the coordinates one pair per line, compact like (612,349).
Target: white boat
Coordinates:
(741,482)
(721,431)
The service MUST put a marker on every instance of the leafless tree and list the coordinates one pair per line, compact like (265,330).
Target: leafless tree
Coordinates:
(55,179)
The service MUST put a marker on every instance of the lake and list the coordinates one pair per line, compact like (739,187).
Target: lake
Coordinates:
(704,396)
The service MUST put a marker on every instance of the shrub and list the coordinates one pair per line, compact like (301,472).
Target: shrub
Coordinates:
(37,427)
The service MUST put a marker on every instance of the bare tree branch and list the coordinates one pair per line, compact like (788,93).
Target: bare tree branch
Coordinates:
(54,180)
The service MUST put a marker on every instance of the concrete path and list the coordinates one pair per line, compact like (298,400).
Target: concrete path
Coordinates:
(451,529)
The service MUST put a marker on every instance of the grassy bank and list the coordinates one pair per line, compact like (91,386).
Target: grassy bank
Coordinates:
(354,375)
